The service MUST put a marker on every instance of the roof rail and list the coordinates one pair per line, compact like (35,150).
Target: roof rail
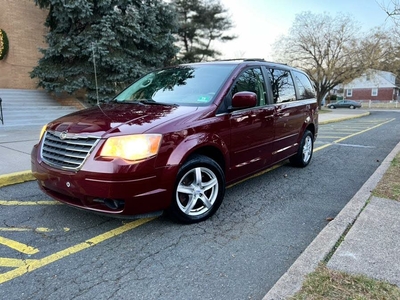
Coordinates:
(243,59)
(251,59)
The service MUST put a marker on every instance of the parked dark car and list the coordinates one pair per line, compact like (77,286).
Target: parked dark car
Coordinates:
(345,104)
(174,139)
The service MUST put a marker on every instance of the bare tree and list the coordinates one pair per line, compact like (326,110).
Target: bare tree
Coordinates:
(330,50)
(391,8)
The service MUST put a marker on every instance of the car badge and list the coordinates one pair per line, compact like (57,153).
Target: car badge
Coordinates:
(63,135)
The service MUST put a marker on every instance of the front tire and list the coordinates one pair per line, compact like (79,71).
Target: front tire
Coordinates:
(303,156)
(199,190)
(332,107)
(352,107)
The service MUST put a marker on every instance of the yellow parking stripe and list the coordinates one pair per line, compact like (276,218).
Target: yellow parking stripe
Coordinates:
(28,203)
(368,129)
(18,246)
(321,147)
(36,264)
(351,135)
(14,263)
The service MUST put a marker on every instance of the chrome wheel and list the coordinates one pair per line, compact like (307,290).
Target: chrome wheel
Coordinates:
(197,191)
(307,149)
(303,156)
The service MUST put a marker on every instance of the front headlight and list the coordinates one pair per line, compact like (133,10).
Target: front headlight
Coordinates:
(132,147)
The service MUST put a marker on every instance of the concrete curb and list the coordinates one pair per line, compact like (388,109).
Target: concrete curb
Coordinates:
(316,252)
(14,178)
(344,118)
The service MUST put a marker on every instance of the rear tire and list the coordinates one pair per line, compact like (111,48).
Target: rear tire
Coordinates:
(303,156)
(199,190)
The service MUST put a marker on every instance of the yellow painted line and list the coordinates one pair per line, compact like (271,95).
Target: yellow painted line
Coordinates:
(14,263)
(28,203)
(258,174)
(39,229)
(351,135)
(38,263)
(20,247)
(321,147)
(17,177)
(368,129)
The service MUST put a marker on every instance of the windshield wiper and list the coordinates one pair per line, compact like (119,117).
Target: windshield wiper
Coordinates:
(126,102)
(143,102)
(152,102)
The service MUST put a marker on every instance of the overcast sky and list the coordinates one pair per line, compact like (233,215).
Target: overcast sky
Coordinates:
(258,23)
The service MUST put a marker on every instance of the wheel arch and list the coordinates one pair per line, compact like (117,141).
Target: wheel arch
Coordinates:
(215,148)
(310,127)
(212,152)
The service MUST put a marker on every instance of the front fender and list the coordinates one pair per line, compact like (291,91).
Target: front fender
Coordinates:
(200,143)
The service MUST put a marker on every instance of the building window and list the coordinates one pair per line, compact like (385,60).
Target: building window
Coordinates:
(374,92)
(349,93)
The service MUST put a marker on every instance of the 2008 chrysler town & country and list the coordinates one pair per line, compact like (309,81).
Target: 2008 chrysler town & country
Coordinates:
(175,138)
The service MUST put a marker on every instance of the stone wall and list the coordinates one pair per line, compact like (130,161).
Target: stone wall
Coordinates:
(23,23)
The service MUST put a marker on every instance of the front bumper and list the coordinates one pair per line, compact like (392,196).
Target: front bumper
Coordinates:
(110,187)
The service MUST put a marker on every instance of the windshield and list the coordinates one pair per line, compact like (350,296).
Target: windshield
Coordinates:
(182,85)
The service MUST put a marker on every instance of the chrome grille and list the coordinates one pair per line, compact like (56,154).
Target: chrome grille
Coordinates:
(67,153)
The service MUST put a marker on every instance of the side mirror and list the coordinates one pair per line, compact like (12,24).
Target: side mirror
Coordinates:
(243,100)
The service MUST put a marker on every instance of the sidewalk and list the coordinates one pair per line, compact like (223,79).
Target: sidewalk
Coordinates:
(369,247)
(16,144)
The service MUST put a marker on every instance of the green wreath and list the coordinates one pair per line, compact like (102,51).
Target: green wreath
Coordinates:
(3,44)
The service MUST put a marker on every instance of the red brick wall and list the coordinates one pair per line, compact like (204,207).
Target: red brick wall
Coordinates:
(23,23)
(384,94)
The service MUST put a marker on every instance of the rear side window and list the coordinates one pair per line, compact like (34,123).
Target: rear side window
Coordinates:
(304,86)
(282,85)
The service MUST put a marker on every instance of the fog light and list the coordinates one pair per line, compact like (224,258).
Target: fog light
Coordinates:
(114,204)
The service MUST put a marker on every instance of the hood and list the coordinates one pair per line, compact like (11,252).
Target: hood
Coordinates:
(118,118)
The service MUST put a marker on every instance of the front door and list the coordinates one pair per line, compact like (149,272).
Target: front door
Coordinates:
(252,130)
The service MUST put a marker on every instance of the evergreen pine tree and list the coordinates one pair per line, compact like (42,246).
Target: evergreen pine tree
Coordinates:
(125,38)
(200,23)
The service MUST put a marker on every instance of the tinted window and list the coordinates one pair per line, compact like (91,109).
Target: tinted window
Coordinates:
(251,80)
(183,85)
(304,86)
(282,85)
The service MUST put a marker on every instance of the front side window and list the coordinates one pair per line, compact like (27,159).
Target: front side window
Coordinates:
(282,85)
(304,86)
(251,80)
(182,85)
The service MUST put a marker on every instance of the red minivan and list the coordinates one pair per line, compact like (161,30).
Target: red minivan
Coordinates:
(174,139)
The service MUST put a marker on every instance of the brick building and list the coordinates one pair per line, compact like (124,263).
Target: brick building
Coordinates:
(23,23)
(374,85)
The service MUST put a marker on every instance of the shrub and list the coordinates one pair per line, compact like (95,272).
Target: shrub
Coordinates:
(3,44)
